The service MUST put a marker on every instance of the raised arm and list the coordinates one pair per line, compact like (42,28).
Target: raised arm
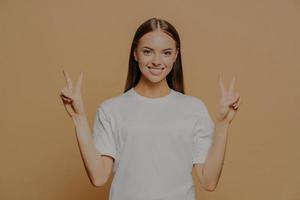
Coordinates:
(97,167)
(209,172)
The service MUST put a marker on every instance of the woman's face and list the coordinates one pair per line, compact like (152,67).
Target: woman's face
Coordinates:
(156,53)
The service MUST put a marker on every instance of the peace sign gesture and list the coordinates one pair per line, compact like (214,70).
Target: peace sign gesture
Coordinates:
(229,101)
(71,96)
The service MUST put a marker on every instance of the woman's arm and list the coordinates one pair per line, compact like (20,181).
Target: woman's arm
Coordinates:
(97,167)
(209,172)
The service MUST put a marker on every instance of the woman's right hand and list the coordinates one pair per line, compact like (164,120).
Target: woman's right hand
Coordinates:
(71,96)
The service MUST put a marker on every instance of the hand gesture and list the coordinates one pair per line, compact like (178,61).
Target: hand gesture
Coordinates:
(229,101)
(71,96)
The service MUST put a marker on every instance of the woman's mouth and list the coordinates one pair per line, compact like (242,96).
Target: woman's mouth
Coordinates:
(156,70)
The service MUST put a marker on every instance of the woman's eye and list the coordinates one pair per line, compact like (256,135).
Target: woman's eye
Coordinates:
(168,52)
(146,51)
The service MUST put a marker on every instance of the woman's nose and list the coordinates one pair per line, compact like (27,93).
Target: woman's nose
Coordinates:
(156,60)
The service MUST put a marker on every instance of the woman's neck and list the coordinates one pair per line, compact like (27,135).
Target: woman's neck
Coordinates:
(152,90)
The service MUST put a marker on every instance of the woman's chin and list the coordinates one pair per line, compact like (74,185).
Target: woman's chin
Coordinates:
(154,79)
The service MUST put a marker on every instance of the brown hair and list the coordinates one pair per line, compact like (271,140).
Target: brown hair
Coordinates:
(175,77)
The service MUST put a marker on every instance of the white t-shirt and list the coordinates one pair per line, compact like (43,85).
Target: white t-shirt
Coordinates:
(155,142)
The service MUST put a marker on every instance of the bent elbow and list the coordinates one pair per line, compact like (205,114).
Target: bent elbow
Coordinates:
(98,183)
(210,188)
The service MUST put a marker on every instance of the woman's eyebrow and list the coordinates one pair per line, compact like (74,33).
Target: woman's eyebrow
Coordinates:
(153,49)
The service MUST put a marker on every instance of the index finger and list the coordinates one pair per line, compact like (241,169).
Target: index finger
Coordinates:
(68,80)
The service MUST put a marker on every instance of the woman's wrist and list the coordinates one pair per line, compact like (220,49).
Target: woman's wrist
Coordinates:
(222,123)
(222,120)
(79,118)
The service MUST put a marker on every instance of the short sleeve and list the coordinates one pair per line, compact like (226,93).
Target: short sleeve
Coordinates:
(103,137)
(202,135)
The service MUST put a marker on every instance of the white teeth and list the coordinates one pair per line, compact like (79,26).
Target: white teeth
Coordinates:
(155,68)
(155,71)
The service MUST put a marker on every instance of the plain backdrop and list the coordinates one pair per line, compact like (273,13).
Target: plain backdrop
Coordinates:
(258,41)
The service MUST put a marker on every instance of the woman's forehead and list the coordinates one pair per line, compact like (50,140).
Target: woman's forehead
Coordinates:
(157,39)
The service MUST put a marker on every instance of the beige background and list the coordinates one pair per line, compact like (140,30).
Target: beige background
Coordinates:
(256,40)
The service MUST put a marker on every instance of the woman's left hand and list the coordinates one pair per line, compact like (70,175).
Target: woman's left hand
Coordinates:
(229,101)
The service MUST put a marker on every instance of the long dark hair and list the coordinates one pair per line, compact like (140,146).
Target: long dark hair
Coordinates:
(175,77)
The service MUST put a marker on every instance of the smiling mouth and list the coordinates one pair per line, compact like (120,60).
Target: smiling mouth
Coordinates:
(156,71)
(156,68)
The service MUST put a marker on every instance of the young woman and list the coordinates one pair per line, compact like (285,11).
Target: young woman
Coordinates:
(153,134)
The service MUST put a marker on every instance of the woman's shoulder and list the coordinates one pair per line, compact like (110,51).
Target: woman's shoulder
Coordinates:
(113,102)
(192,100)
